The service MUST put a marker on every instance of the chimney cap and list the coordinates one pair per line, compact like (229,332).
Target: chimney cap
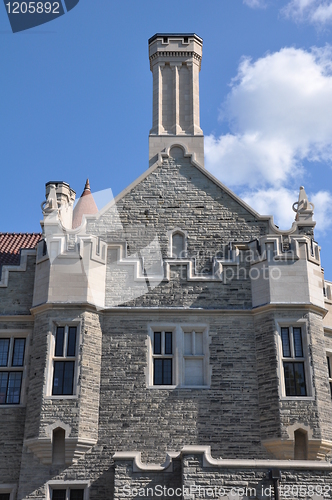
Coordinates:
(175,35)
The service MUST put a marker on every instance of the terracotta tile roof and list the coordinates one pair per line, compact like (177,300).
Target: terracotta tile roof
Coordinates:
(11,245)
(86,205)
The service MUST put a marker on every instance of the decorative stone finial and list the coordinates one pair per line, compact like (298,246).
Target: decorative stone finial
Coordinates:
(303,208)
(87,189)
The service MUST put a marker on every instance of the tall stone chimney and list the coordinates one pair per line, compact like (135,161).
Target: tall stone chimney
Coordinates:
(175,62)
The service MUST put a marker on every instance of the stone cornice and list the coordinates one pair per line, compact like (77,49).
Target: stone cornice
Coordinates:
(23,317)
(295,305)
(63,305)
(209,461)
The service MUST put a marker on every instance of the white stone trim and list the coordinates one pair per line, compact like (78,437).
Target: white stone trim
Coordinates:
(139,466)
(59,484)
(21,268)
(299,426)
(75,448)
(9,488)
(170,235)
(209,461)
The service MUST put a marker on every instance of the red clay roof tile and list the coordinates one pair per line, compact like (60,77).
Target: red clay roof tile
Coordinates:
(12,243)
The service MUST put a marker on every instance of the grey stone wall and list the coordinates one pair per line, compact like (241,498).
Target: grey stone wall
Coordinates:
(239,480)
(16,298)
(161,420)
(11,427)
(129,484)
(180,196)
(267,375)
(80,412)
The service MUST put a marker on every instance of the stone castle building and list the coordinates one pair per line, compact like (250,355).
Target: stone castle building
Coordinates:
(174,344)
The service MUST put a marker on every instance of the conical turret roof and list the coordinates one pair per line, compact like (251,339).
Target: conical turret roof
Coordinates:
(86,205)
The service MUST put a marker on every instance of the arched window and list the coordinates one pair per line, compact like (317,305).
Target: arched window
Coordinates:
(178,245)
(300,445)
(58,447)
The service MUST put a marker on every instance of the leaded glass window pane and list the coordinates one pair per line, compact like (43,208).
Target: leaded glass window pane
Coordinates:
(158,371)
(162,371)
(59,341)
(294,379)
(285,342)
(4,349)
(68,377)
(59,495)
(298,349)
(167,372)
(71,348)
(168,342)
(14,388)
(76,494)
(63,378)
(18,352)
(157,343)
(3,386)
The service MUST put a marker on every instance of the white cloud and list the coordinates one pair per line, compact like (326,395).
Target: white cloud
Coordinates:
(279,111)
(312,11)
(323,202)
(254,4)
(273,201)
(280,201)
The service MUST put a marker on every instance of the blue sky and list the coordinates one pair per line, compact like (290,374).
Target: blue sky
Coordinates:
(77,102)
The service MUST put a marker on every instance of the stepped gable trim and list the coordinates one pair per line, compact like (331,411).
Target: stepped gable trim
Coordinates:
(192,156)
(21,267)
(209,461)
(139,466)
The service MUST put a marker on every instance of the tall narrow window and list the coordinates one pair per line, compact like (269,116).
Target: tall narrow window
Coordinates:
(293,361)
(178,245)
(58,446)
(193,358)
(12,352)
(329,367)
(162,358)
(64,360)
(300,445)
(4,496)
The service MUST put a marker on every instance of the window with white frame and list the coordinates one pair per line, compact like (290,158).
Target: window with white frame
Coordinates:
(64,360)
(293,360)
(193,358)
(179,356)
(7,491)
(329,367)
(178,245)
(68,494)
(75,490)
(12,359)
(162,358)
